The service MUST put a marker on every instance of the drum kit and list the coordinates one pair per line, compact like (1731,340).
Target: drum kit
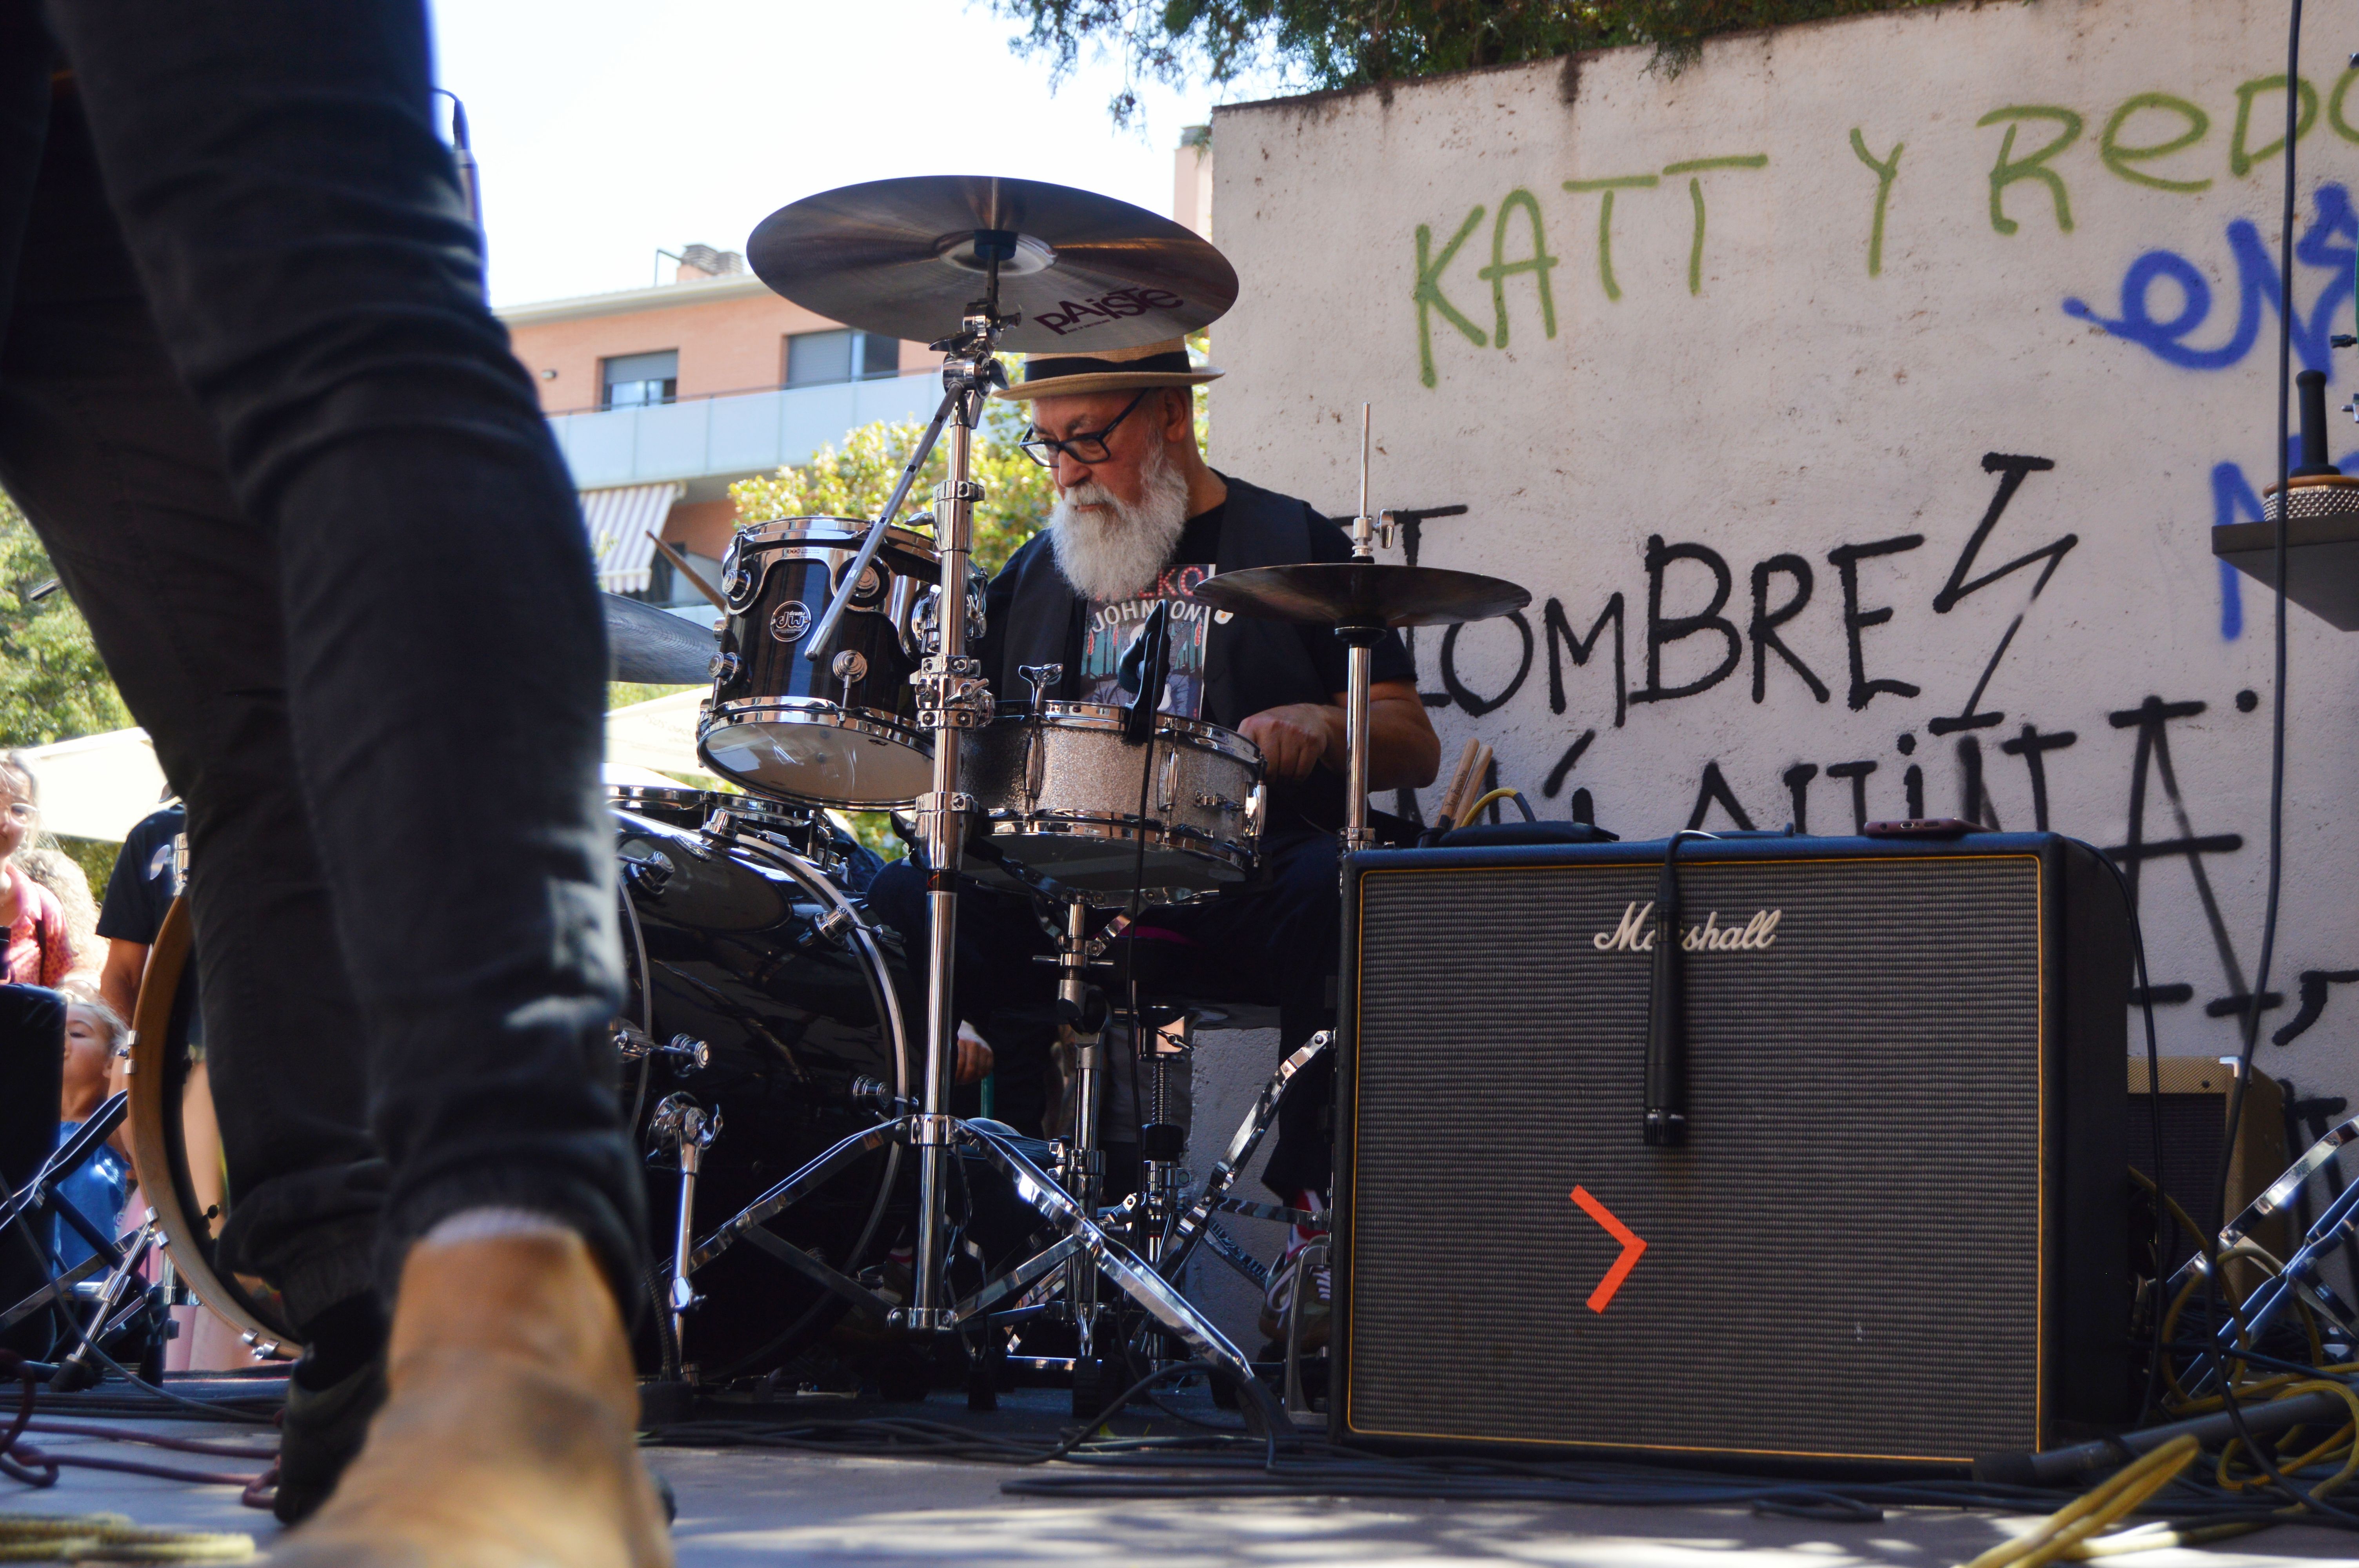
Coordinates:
(784,1052)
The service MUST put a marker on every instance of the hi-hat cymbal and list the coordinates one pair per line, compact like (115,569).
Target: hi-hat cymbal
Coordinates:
(653,647)
(900,257)
(1361,593)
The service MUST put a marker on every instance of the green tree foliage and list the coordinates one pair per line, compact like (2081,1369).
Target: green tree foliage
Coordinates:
(53,685)
(857,478)
(1350,43)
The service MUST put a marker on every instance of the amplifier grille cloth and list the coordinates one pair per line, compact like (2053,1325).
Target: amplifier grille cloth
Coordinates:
(1843,1261)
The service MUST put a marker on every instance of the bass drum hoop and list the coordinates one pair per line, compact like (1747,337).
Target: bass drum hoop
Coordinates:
(159,1159)
(887,1004)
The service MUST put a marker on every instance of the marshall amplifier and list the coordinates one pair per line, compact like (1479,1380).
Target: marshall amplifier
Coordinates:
(1889,1228)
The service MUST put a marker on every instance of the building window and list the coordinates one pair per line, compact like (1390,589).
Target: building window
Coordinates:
(634,381)
(821,359)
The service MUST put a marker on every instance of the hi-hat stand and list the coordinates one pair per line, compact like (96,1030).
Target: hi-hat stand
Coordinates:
(953,698)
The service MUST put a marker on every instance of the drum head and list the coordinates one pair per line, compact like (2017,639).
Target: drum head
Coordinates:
(1104,862)
(825,755)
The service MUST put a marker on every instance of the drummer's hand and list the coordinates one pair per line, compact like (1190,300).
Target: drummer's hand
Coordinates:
(1296,738)
(974,1055)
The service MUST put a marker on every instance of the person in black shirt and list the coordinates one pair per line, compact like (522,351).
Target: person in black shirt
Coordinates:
(1140,517)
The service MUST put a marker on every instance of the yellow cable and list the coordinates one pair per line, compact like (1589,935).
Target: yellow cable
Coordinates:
(112,1538)
(2101,1505)
(1502,793)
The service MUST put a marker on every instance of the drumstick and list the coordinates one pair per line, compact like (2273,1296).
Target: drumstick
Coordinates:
(1475,777)
(681,565)
(1457,779)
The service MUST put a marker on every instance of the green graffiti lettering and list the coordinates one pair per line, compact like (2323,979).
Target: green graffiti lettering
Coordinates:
(1501,269)
(2240,162)
(2008,170)
(1605,219)
(1429,295)
(2343,127)
(1695,196)
(1884,172)
(2118,157)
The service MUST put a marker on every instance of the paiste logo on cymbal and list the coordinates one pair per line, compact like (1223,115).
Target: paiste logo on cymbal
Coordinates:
(1637,933)
(1080,316)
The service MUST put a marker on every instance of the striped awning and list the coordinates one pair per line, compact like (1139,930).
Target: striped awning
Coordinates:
(620,521)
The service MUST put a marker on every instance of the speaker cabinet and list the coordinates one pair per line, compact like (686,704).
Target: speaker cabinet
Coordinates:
(1895,1230)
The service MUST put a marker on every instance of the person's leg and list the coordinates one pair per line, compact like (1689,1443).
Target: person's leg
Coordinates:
(1278,943)
(296,228)
(300,240)
(102,448)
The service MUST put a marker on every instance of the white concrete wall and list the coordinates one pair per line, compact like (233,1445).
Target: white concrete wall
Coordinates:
(1758,387)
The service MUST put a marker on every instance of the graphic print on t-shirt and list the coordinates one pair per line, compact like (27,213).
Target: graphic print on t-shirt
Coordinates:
(1113,624)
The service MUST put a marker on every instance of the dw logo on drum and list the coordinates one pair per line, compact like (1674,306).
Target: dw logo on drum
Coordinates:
(790,621)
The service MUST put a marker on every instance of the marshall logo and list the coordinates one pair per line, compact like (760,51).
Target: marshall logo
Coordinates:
(1637,933)
(1073,316)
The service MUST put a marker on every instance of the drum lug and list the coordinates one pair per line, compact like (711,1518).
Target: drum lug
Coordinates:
(724,667)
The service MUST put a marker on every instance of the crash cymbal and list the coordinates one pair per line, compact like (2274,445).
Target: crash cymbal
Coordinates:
(900,257)
(1361,593)
(653,647)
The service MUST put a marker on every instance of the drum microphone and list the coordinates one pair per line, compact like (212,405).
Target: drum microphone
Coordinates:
(1145,666)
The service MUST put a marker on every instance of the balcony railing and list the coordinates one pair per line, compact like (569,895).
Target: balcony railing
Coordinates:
(732,433)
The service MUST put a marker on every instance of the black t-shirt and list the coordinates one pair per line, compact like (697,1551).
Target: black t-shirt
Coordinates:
(144,882)
(1102,631)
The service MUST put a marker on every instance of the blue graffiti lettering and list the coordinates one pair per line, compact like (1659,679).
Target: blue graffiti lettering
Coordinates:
(2257,287)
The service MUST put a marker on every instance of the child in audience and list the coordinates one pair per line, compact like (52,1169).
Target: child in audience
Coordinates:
(99,1188)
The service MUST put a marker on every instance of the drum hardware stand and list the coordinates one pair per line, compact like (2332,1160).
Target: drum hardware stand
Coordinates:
(686,1126)
(1361,642)
(2300,1276)
(1299,1407)
(953,696)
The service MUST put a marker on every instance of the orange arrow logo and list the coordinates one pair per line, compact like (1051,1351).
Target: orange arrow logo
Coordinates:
(1631,1246)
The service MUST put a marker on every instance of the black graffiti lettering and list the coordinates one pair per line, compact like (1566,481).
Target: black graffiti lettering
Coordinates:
(2151,719)
(1663,631)
(1846,559)
(1565,764)
(1714,791)
(1857,772)
(2033,747)
(1798,791)
(1766,621)
(1912,789)
(1560,630)
(1459,691)
(2313,1002)
(2011,471)
(1973,801)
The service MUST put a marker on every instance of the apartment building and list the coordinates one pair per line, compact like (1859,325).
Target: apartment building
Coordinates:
(659,398)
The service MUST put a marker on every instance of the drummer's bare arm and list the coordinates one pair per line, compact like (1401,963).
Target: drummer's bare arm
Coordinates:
(1403,751)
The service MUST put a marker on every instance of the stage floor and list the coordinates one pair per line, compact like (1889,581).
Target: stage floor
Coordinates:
(747,1507)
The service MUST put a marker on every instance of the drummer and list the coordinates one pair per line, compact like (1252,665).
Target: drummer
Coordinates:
(1140,518)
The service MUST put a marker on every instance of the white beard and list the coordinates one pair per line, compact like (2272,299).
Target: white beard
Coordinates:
(1119,551)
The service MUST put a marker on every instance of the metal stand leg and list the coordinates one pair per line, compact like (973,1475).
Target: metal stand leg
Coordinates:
(688,1127)
(1190,1227)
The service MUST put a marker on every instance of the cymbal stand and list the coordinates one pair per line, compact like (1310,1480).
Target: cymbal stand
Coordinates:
(1361,642)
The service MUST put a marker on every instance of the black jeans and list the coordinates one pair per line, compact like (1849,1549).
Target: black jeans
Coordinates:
(1275,945)
(251,398)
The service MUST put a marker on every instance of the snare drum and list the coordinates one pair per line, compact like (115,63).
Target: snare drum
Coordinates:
(1060,789)
(841,731)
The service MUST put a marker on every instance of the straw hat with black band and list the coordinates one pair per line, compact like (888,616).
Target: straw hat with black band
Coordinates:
(1108,369)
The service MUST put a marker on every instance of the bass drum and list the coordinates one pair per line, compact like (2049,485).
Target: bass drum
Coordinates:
(740,943)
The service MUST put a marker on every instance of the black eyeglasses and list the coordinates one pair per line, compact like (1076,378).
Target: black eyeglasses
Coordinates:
(1086,448)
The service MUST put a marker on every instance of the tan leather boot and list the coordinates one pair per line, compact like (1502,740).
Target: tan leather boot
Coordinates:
(507,1436)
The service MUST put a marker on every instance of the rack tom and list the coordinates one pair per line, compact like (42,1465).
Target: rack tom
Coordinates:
(841,731)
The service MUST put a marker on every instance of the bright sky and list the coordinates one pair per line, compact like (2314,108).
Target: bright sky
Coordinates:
(607,128)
